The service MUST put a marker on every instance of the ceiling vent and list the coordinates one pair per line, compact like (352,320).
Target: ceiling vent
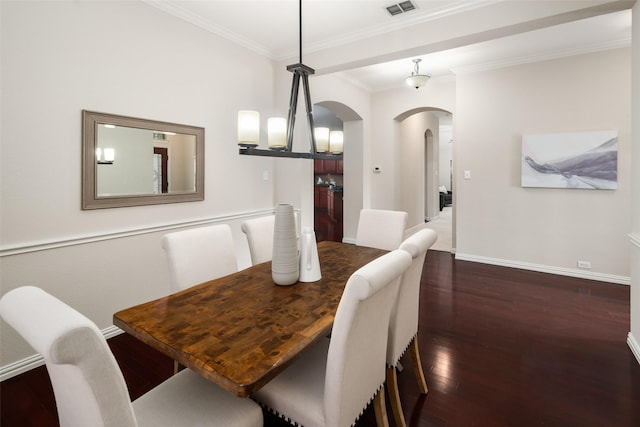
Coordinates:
(402,7)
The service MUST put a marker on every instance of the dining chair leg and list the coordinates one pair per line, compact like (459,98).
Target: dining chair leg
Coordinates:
(380,409)
(394,396)
(417,366)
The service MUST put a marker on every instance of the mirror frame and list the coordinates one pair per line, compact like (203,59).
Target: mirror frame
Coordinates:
(90,200)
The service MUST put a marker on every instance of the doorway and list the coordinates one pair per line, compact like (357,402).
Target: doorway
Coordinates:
(160,170)
(328,183)
(425,153)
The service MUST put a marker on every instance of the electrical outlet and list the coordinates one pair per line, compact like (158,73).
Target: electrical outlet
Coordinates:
(584,264)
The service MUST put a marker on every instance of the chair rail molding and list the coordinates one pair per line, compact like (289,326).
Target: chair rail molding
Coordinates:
(62,242)
(28,363)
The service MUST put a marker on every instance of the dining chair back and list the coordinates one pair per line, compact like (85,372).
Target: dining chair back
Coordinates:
(382,229)
(88,385)
(199,254)
(333,382)
(259,232)
(403,326)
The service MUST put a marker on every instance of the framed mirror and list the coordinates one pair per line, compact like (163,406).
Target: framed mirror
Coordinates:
(133,162)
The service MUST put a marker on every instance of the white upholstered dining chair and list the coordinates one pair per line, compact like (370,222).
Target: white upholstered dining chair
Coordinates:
(403,326)
(332,383)
(88,385)
(259,232)
(382,229)
(199,254)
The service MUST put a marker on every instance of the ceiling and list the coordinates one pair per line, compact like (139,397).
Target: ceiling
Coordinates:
(328,23)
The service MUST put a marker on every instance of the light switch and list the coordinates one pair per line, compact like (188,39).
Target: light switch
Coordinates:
(467,174)
(265,175)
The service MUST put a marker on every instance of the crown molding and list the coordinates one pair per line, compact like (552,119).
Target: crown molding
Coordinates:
(564,53)
(409,20)
(174,8)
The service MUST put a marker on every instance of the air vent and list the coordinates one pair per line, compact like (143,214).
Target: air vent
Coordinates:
(402,7)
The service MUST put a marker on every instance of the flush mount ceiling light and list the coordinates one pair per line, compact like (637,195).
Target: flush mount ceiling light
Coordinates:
(416,79)
(249,121)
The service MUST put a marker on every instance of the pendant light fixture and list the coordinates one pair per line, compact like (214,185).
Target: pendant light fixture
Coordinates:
(416,79)
(300,72)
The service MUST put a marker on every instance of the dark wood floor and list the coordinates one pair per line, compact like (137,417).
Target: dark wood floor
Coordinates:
(500,347)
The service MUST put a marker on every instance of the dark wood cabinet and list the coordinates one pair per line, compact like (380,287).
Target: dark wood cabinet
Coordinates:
(328,203)
(327,166)
(320,197)
(334,206)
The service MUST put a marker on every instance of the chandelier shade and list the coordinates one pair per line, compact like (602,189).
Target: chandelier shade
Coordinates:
(322,139)
(416,79)
(277,132)
(248,128)
(336,139)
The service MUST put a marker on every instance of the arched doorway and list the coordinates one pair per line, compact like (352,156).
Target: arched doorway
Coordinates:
(425,160)
(331,114)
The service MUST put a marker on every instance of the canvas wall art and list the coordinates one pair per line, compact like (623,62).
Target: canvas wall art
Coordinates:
(587,160)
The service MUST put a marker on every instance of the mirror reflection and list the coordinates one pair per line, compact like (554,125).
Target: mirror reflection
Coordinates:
(129,161)
(148,162)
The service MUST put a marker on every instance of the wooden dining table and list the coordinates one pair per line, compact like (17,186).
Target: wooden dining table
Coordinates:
(241,330)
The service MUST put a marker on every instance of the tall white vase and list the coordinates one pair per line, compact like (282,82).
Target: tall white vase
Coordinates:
(285,267)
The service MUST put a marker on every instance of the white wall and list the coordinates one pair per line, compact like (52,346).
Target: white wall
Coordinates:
(125,58)
(497,220)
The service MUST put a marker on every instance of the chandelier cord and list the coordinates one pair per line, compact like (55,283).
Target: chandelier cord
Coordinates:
(300,30)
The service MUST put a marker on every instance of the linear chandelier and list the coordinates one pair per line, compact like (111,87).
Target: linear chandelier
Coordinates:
(280,132)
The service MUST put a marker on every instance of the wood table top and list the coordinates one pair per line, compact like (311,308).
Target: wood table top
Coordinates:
(241,330)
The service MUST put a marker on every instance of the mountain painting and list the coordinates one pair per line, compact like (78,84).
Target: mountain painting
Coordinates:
(587,160)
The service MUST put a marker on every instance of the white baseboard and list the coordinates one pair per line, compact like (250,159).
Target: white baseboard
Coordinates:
(634,346)
(32,362)
(602,277)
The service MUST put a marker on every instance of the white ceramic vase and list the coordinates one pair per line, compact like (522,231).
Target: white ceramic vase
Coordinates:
(285,267)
